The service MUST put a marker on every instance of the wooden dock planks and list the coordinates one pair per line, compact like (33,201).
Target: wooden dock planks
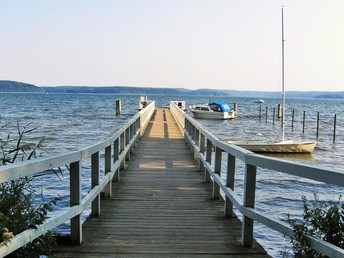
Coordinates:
(161,207)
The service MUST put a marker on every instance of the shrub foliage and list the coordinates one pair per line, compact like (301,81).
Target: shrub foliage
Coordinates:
(324,220)
(18,211)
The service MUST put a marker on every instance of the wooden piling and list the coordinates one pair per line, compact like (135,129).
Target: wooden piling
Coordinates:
(266,114)
(273,116)
(236,109)
(334,128)
(118,107)
(279,111)
(292,120)
(304,122)
(318,124)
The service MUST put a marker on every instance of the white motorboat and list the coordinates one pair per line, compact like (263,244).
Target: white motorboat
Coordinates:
(213,110)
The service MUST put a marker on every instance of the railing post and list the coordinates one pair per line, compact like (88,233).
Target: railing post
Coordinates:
(115,158)
(75,199)
(230,183)
(121,148)
(132,132)
(208,159)
(127,140)
(249,201)
(108,187)
(94,182)
(202,150)
(196,143)
(217,170)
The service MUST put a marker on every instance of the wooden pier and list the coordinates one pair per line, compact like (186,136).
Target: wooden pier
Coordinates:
(161,207)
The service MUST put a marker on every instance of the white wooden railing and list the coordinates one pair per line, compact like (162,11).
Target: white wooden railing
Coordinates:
(119,146)
(202,143)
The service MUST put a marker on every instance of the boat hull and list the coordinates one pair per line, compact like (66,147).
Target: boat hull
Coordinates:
(276,147)
(212,115)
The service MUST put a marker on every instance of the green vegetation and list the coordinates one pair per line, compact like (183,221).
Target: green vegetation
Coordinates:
(323,220)
(17,209)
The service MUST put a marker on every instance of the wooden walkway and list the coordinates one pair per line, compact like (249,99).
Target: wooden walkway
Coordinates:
(161,207)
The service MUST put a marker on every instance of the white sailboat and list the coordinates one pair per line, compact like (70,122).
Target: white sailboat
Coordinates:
(281,146)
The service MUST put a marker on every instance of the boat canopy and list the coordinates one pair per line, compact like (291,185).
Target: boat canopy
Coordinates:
(221,106)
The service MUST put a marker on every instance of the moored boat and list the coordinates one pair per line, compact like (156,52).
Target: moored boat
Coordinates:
(277,147)
(213,110)
(281,146)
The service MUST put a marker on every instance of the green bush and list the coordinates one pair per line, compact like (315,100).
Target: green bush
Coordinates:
(17,210)
(324,220)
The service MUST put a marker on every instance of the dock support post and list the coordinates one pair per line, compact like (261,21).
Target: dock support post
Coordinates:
(334,128)
(304,122)
(230,183)
(236,109)
(318,124)
(273,116)
(249,201)
(266,114)
(75,199)
(108,187)
(118,107)
(292,120)
(94,182)
(217,170)
(279,111)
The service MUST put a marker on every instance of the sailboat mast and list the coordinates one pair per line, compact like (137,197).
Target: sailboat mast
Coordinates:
(283,90)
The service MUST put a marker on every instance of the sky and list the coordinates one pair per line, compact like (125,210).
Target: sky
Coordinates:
(193,44)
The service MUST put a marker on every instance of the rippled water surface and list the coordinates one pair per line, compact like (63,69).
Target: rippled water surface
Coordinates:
(70,122)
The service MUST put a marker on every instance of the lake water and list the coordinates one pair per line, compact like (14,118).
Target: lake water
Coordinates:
(72,121)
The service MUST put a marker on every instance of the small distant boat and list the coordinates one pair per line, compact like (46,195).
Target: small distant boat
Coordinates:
(276,147)
(260,101)
(213,110)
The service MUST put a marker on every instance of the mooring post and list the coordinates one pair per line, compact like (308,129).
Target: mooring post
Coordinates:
(266,114)
(334,128)
(279,111)
(304,122)
(118,107)
(236,109)
(273,116)
(260,112)
(292,120)
(318,124)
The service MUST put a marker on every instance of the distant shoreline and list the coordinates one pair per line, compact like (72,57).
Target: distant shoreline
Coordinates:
(19,87)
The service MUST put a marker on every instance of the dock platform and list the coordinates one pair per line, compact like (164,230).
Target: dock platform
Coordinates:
(161,207)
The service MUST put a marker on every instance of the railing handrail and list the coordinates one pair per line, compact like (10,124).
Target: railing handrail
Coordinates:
(198,136)
(123,141)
